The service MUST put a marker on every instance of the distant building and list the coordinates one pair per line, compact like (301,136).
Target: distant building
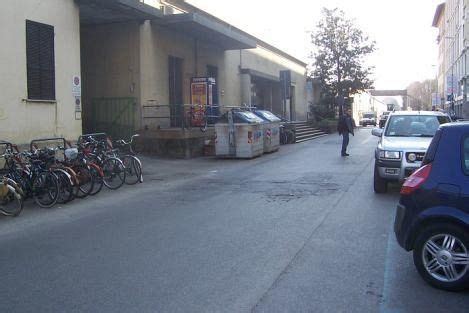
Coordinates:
(364,102)
(453,85)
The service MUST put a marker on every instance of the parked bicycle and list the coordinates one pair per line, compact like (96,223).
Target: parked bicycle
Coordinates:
(29,171)
(97,148)
(133,166)
(54,171)
(11,195)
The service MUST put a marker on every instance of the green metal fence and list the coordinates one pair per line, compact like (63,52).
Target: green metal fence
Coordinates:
(114,116)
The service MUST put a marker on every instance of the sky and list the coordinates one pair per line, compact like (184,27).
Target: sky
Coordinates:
(406,41)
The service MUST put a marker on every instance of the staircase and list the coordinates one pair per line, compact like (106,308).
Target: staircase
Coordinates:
(305,131)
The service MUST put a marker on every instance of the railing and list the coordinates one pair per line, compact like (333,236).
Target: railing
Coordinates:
(114,116)
(179,115)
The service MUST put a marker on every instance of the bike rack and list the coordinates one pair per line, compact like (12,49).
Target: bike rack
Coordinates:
(95,136)
(33,142)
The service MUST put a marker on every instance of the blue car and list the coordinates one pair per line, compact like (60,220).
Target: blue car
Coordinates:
(432,217)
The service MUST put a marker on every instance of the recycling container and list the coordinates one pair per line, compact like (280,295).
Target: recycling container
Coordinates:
(271,130)
(239,136)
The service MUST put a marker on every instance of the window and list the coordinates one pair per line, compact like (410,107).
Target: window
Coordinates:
(40,61)
(414,125)
(465,155)
(175,71)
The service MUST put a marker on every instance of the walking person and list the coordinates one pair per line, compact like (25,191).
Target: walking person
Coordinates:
(345,128)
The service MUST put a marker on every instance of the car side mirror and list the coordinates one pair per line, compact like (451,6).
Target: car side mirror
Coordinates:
(378,132)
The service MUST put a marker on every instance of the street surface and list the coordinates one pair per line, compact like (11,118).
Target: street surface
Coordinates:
(299,230)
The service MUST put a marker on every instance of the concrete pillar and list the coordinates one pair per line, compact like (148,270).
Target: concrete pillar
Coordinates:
(404,103)
(246,89)
(147,68)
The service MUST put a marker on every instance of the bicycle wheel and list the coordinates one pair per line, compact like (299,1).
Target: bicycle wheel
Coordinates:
(45,189)
(133,169)
(65,187)
(114,173)
(11,201)
(85,182)
(98,181)
(204,126)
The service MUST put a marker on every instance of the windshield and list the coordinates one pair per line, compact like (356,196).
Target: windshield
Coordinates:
(369,115)
(414,125)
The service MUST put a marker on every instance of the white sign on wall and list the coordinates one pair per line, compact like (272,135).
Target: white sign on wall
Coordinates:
(76,86)
(77,104)
(451,84)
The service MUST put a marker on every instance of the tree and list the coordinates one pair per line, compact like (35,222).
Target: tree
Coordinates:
(420,94)
(339,59)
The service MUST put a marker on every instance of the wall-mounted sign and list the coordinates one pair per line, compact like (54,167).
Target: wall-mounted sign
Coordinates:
(451,84)
(77,104)
(76,86)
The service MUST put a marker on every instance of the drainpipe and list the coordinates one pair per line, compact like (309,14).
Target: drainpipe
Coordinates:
(196,57)
(56,119)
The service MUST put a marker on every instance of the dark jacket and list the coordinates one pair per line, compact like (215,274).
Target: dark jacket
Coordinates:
(346,124)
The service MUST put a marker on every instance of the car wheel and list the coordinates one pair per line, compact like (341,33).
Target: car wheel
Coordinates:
(441,255)
(380,185)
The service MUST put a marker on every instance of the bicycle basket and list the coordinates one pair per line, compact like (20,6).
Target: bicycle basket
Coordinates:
(71,153)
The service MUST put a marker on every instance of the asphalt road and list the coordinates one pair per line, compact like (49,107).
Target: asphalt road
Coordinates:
(299,230)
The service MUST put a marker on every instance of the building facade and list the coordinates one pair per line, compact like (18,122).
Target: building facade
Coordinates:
(451,19)
(123,66)
(39,60)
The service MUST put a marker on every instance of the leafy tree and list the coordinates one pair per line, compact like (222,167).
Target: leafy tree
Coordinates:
(420,94)
(339,58)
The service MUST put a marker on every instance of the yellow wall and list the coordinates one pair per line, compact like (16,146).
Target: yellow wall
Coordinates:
(156,45)
(131,60)
(111,62)
(266,62)
(21,120)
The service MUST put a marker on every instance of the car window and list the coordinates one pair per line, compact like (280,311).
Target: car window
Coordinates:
(368,116)
(414,125)
(431,151)
(466,155)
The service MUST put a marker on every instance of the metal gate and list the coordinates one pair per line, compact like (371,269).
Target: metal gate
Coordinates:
(114,116)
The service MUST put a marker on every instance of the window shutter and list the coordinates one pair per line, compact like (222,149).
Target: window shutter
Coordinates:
(47,63)
(40,61)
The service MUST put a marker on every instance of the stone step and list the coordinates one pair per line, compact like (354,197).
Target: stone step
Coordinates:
(310,138)
(303,127)
(302,136)
(308,131)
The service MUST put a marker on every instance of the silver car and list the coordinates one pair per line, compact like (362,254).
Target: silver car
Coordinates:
(402,145)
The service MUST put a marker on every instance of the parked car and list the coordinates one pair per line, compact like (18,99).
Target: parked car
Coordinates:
(368,118)
(432,217)
(402,145)
(383,118)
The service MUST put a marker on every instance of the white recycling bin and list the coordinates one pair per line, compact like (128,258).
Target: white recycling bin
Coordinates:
(271,130)
(246,140)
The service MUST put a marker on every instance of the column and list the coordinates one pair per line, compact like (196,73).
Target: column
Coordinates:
(246,89)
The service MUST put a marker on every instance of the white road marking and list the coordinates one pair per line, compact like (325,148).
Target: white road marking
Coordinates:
(366,140)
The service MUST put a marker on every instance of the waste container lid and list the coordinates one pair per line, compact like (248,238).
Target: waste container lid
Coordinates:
(267,115)
(246,117)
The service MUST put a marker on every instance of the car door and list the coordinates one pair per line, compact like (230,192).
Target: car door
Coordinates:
(464,203)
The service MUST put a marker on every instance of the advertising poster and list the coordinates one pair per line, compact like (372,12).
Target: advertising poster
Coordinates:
(199,101)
